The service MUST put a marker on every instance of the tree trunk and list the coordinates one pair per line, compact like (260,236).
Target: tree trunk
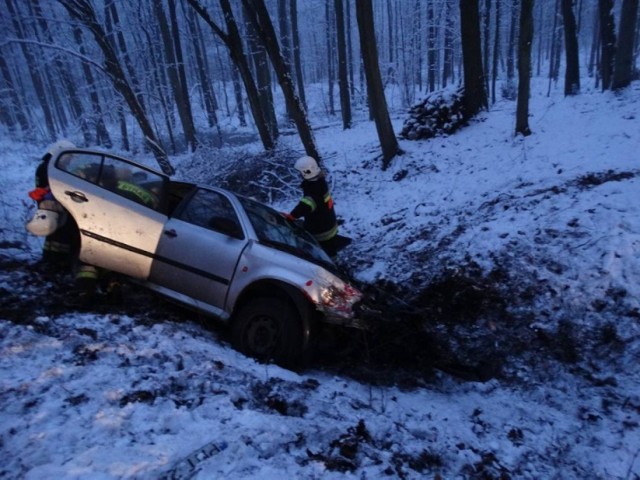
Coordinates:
(623,67)
(345,101)
(377,100)
(208,96)
(486,42)
(114,29)
(475,95)
(285,41)
(237,92)
(262,70)
(295,44)
(416,45)
(512,41)
(102,134)
(82,11)
(63,71)
(12,107)
(607,42)
(432,54)
(330,54)
(572,73)
(262,22)
(496,54)
(594,68)
(524,67)
(447,63)
(234,43)
(36,79)
(177,79)
(350,61)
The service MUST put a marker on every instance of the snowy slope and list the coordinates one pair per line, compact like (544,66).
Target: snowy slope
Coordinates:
(142,393)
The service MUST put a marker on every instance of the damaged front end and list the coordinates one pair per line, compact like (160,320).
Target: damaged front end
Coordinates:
(337,300)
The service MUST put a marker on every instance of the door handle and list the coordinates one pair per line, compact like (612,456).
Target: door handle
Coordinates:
(78,197)
(171,233)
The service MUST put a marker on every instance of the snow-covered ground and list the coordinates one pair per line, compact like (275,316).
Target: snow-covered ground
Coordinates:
(131,394)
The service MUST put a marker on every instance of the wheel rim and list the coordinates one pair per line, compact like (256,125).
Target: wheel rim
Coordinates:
(262,335)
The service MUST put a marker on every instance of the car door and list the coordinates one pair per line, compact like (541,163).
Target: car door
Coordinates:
(117,206)
(199,248)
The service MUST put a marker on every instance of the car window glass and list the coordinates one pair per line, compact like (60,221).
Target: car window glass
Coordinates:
(132,182)
(83,165)
(273,228)
(213,211)
(123,178)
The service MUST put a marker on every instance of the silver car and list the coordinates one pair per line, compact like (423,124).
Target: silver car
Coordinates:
(205,247)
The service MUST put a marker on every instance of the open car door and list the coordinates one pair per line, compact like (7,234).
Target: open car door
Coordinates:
(118,206)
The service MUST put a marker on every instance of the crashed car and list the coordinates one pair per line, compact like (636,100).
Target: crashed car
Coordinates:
(207,248)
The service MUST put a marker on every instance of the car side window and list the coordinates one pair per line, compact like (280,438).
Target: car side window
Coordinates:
(213,211)
(83,165)
(123,178)
(133,182)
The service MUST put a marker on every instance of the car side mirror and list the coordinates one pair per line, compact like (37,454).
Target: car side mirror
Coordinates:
(227,226)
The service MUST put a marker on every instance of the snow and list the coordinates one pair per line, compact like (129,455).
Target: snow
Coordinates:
(125,395)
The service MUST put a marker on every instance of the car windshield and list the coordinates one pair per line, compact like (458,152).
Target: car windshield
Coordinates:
(275,230)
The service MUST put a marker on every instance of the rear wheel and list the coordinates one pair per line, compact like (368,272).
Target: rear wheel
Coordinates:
(269,329)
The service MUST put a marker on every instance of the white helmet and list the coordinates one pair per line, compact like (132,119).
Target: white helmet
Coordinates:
(308,167)
(55,149)
(43,223)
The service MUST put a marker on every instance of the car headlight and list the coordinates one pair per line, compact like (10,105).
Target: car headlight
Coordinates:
(339,299)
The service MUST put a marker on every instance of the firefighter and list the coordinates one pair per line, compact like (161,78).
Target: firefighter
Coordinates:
(316,206)
(51,220)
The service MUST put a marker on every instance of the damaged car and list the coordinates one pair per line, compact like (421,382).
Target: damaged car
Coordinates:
(207,248)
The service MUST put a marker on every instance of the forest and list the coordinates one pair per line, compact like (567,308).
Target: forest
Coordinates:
(171,76)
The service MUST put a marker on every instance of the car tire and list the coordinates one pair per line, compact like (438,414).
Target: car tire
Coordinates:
(269,329)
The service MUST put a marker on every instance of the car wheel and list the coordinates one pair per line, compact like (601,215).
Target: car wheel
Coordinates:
(269,329)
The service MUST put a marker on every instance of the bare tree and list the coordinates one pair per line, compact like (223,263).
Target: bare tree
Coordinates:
(345,100)
(262,72)
(10,106)
(377,100)
(34,72)
(83,11)
(102,134)
(524,67)
(234,43)
(607,42)
(432,53)
(285,40)
(496,53)
(475,95)
(175,70)
(447,63)
(259,16)
(208,95)
(572,74)
(329,34)
(623,67)
(295,45)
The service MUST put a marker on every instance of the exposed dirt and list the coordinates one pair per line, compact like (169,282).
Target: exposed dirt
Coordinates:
(400,347)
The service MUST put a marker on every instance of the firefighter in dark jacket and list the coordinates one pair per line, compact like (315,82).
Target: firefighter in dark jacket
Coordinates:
(51,219)
(316,205)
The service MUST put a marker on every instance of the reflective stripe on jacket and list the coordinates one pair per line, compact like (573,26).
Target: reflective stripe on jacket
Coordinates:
(316,206)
